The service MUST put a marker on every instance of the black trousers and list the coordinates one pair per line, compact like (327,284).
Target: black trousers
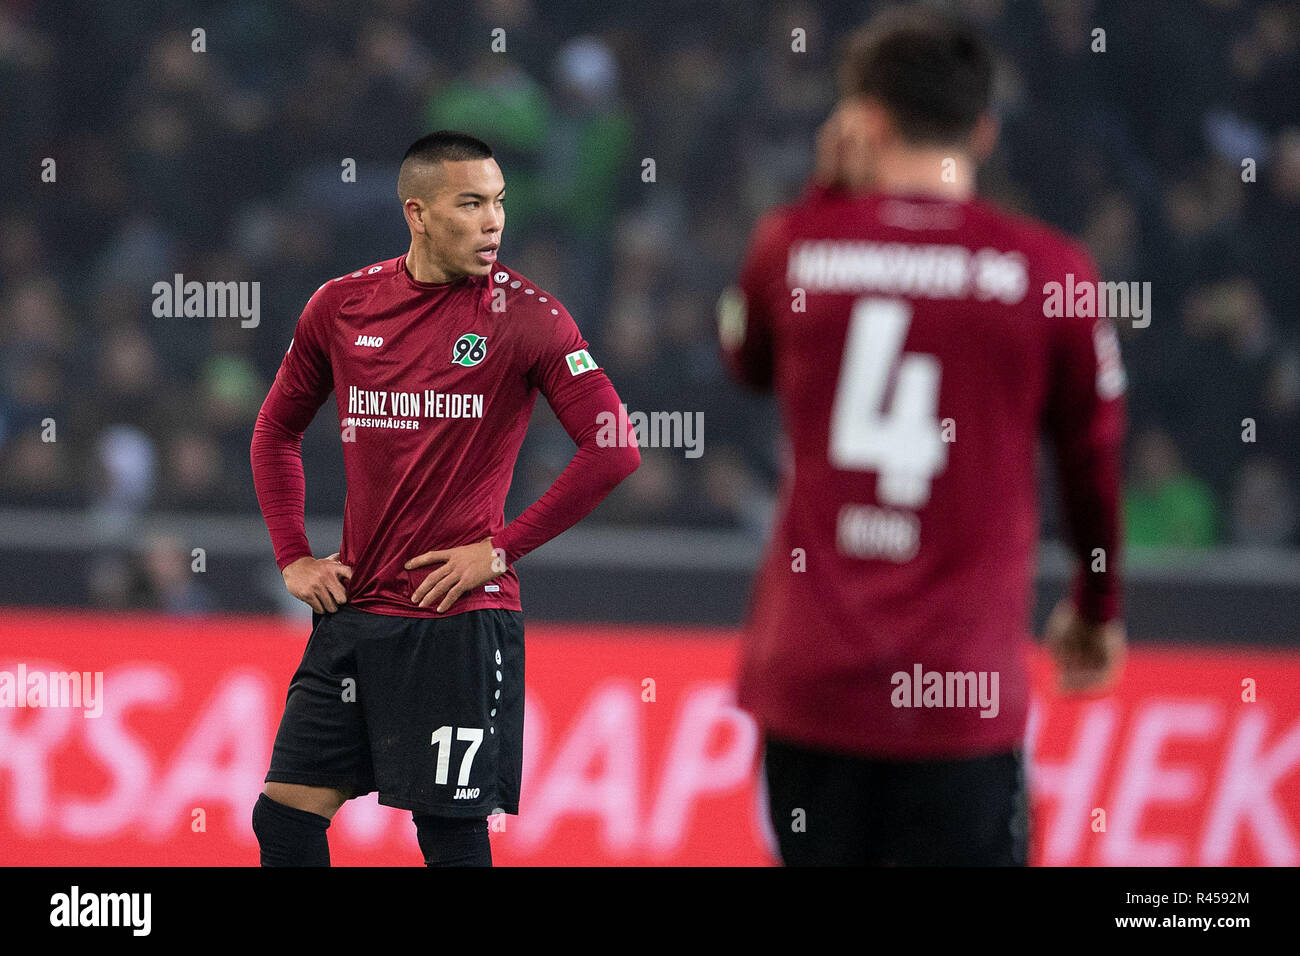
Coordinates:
(830,809)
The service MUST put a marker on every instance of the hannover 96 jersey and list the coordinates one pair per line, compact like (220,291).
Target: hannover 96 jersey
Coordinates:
(916,354)
(434,384)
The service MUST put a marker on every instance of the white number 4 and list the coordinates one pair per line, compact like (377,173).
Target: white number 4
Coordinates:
(442,740)
(903,444)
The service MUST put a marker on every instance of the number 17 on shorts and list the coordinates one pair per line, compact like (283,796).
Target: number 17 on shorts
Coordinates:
(442,740)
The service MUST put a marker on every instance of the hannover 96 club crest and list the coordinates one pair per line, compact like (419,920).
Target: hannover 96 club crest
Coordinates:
(469,349)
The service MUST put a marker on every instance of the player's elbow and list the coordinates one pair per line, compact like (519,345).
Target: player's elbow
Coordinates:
(613,463)
(265,432)
(633,460)
(623,461)
(277,421)
(261,432)
(271,440)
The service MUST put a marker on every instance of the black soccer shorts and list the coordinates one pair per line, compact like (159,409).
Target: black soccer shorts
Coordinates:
(831,809)
(428,711)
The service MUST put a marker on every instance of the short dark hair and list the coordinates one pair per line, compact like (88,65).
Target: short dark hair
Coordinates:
(448,145)
(444,145)
(932,72)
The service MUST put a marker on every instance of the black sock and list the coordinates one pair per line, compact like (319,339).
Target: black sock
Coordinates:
(288,836)
(449,841)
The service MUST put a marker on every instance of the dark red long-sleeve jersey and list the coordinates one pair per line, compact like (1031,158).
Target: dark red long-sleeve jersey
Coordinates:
(434,384)
(917,355)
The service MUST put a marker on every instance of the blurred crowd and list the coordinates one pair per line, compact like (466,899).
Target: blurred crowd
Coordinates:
(228,165)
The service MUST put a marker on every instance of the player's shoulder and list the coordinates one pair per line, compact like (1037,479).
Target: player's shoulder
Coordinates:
(770,238)
(520,295)
(363,277)
(806,213)
(332,293)
(778,224)
(1047,248)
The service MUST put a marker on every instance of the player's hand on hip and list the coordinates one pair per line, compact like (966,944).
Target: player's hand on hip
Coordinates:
(460,571)
(318,582)
(1089,656)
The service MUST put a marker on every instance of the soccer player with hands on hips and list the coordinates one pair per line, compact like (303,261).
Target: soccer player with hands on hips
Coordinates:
(412,682)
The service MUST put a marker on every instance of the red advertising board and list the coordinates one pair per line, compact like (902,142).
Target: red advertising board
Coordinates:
(634,752)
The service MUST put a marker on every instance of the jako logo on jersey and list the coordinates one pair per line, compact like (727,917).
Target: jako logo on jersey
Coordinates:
(469,349)
(580,361)
(374,341)
(466,793)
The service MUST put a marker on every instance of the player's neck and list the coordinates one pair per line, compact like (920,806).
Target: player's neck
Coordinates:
(423,268)
(938,173)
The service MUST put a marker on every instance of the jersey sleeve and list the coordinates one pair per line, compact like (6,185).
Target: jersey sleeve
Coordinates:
(589,408)
(1085,416)
(746,310)
(305,373)
(301,385)
(561,366)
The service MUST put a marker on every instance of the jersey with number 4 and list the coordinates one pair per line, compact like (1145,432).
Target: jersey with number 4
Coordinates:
(917,349)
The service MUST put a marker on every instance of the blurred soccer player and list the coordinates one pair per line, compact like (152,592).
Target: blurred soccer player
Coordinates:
(901,323)
(412,683)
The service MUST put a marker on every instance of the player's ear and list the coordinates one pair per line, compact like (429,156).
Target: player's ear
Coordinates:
(984,137)
(414,210)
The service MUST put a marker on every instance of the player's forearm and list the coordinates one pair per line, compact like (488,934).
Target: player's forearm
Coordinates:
(1090,489)
(596,469)
(589,478)
(745,348)
(745,317)
(276,457)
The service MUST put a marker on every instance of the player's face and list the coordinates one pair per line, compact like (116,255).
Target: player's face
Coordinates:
(466,216)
